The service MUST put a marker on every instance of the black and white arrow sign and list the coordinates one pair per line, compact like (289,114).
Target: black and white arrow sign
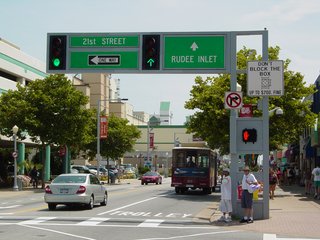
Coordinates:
(104,60)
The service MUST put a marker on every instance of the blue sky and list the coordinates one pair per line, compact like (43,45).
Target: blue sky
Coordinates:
(292,24)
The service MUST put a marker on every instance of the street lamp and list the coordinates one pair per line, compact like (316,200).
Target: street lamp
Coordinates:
(15,130)
(98,156)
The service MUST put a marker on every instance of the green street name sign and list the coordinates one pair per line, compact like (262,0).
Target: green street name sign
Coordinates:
(104,41)
(194,52)
(104,60)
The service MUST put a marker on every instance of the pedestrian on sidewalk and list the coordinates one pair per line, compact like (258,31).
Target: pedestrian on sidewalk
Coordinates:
(273,181)
(279,176)
(316,181)
(225,202)
(248,183)
(34,174)
(308,182)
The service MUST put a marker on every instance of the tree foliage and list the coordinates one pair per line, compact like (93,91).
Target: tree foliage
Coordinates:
(51,111)
(211,119)
(121,138)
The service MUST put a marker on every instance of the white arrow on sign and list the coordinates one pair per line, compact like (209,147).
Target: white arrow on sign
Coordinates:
(194,46)
(105,60)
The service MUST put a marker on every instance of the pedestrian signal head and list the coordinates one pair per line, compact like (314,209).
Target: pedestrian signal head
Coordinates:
(249,135)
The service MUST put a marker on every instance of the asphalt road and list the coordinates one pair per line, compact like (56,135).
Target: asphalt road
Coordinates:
(134,212)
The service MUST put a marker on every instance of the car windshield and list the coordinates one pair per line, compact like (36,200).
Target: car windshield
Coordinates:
(150,174)
(70,179)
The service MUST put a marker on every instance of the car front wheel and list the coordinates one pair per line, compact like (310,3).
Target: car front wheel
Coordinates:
(105,200)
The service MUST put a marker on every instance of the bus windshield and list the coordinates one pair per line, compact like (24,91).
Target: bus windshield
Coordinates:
(191,159)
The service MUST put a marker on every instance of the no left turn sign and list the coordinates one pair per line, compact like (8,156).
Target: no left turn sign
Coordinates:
(233,100)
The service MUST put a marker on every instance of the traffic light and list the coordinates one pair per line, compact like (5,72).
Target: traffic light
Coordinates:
(57,52)
(151,52)
(249,135)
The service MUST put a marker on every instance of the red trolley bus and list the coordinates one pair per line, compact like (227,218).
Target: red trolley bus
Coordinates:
(194,168)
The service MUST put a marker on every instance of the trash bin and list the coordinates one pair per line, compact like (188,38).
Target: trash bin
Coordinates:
(256,195)
(112,178)
(19,183)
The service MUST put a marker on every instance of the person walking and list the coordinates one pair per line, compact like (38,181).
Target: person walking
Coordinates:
(248,182)
(34,174)
(225,202)
(273,180)
(307,181)
(316,181)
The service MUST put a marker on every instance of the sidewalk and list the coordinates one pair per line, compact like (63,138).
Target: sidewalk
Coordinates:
(291,213)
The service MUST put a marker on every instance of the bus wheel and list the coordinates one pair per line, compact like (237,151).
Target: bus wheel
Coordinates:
(183,190)
(177,189)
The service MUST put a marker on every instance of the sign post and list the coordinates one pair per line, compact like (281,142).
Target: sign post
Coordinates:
(180,52)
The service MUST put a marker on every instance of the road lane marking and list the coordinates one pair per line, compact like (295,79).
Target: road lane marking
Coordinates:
(150,214)
(129,205)
(92,221)
(59,232)
(12,206)
(274,237)
(37,220)
(191,235)
(6,213)
(151,223)
(42,207)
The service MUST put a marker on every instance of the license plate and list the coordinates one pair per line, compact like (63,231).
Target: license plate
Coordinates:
(189,185)
(64,190)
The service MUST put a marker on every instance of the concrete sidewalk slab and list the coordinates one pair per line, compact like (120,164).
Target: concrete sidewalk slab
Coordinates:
(291,213)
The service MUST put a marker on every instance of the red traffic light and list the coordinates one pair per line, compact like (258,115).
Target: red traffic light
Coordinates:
(246,135)
(249,135)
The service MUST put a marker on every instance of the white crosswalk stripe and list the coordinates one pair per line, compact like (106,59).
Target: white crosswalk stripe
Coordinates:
(102,222)
(37,220)
(93,221)
(151,223)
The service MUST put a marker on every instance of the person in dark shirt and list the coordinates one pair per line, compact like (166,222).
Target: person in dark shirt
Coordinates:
(34,174)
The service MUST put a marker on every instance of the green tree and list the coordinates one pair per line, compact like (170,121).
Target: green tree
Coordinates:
(211,119)
(121,138)
(51,111)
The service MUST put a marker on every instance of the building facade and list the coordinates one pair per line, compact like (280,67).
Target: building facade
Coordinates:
(162,139)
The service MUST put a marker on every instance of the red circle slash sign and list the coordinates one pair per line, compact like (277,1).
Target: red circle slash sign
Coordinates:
(233,100)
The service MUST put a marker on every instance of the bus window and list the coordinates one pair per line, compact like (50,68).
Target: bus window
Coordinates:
(180,160)
(203,161)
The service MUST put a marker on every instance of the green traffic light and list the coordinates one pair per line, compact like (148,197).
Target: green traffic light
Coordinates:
(56,62)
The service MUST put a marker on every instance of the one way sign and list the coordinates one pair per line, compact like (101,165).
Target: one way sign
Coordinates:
(233,100)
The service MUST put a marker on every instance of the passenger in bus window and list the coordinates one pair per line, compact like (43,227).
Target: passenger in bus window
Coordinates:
(191,163)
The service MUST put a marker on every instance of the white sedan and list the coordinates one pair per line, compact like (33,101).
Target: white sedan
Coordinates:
(69,189)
